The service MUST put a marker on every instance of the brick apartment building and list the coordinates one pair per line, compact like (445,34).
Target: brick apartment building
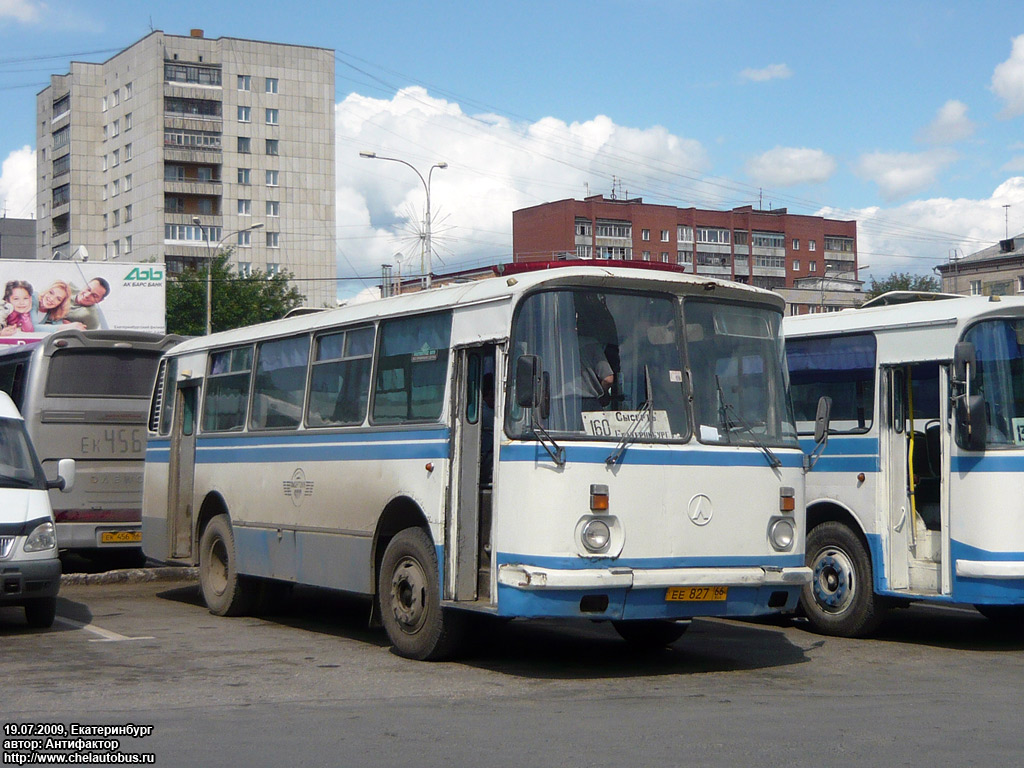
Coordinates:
(810,257)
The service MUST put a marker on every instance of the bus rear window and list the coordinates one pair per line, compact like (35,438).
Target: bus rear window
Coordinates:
(102,373)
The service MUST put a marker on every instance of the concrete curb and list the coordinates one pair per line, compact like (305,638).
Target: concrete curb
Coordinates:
(132,576)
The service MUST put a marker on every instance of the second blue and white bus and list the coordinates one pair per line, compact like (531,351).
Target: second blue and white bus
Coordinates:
(439,451)
(919,493)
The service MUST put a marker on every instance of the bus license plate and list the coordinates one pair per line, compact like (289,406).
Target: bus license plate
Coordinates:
(696,594)
(121,537)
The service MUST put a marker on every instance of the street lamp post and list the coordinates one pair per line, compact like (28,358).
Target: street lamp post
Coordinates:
(209,264)
(425,258)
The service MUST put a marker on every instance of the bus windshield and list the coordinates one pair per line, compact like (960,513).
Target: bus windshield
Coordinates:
(18,465)
(999,346)
(736,358)
(102,373)
(612,362)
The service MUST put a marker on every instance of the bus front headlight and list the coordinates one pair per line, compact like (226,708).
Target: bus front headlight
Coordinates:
(595,535)
(781,533)
(43,537)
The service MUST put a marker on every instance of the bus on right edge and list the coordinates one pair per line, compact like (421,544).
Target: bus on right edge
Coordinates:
(919,491)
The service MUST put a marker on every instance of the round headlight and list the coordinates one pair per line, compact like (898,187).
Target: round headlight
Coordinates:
(595,535)
(43,537)
(782,533)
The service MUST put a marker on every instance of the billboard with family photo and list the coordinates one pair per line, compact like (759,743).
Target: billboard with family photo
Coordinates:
(40,297)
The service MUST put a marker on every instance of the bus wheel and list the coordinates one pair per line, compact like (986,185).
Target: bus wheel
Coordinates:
(650,634)
(410,600)
(40,613)
(224,591)
(1008,615)
(840,599)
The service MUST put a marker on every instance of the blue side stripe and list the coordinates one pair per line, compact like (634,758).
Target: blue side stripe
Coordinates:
(635,455)
(844,446)
(990,462)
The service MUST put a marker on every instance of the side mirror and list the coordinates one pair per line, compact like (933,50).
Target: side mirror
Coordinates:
(971,422)
(528,381)
(822,418)
(965,358)
(65,476)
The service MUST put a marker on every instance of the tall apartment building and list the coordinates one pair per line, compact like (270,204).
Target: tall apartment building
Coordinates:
(770,249)
(178,145)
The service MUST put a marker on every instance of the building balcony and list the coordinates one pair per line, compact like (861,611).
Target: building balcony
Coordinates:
(186,122)
(208,188)
(849,256)
(208,219)
(770,272)
(206,156)
(191,91)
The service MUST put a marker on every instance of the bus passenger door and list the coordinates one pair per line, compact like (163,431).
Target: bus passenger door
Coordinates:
(467,576)
(181,470)
(896,515)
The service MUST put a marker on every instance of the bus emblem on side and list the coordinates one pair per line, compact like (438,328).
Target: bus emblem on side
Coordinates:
(298,487)
(700,510)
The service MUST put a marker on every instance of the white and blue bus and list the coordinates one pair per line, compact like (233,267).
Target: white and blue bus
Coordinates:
(590,442)
(919,492)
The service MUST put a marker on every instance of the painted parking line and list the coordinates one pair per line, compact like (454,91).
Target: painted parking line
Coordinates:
(105,635)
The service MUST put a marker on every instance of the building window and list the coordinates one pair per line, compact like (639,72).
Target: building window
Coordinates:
(664,235)
(205,205)
(245,238)
(684,234)
(273,268)
(62,106)
(128,244)
(583,228)
(244,114)
(176,72)
(104,104)
(620,229)
(115,188)
(796,265)
(684,257)
(104,162)
(273,208)
(106,130)
(646,255)
(116,96)
(127,92)
(245,207)
(245,176)
(664,257)
(174,173)
(768,240)
(127,152)
(245,268)
(1020,284)
(117,218)
(116,156)
(272,115)
(272,146)
(244,145)
(796,244)
(244,83)
(271,85)
(104,221)
(190,233)
(583,252)
(128,183)
(645,235)
(975,287)
(272,177)
(62,137)
(115,129)
(713,235)
(844,244)
(199,139)
(812,266)
(127,213)
(812,245)
(273,239)
(61,165)
(204,173)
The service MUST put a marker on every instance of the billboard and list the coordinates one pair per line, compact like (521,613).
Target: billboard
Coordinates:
(40,297)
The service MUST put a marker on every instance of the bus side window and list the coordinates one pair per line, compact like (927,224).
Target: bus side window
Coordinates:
(412,369)
(227,390)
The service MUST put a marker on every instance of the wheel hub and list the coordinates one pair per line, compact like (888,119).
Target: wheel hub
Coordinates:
(408,595)
(833,583)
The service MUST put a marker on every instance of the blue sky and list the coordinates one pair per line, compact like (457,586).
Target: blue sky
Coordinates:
(908,116)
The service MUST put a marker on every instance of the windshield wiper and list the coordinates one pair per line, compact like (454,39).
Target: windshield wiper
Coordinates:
(631,433)
(725,408)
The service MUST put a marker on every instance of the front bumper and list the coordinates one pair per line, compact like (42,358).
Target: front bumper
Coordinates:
(28,579)
(534,577)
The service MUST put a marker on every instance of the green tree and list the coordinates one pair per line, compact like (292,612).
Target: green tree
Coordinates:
(237,300)
(903,281)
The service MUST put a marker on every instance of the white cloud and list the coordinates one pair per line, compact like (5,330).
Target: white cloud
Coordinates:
(495,166)
(787,166)
(950,125)
(1008,80)
(18,184)
(899,174)
(919,235)
(771,72)
(26,11)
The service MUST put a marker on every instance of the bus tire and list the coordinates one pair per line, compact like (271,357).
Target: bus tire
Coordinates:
(840,598)
(650,634)
(41,612)
(224,591)
(410,600)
